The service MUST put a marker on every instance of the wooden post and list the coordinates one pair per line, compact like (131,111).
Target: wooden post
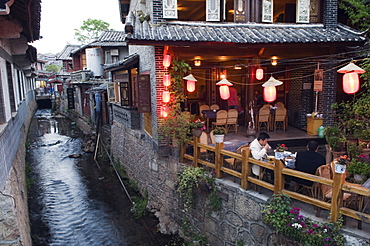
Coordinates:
(246,169)
(218,159)
(278,176)
(336,192)
(182,152)
(196,152)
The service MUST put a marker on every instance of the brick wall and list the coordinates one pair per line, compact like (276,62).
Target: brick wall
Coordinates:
(329,91)
(157,11)
(330,13)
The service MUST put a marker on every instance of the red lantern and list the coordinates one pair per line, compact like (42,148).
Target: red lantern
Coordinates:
(259,73)
(166,80)
(224,92)
(164,111)
(351,83)
(190,85)
(269,93)
(166,96)
(166,61)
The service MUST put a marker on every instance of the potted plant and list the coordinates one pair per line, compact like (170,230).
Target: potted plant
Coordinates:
(197,127)
(219,133)
(335,138)
(360,168)
(363,136)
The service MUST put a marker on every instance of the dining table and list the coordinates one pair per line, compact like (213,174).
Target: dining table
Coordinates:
(232,145)
(209,114)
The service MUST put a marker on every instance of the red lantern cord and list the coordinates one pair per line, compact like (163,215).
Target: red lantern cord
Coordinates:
(224,92)
(166,80)
(166,61)
(259,74)
(269,93)
(166,96)
(190,85)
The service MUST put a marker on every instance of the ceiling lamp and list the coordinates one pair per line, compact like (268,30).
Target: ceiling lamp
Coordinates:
(350,81)
(269,92)
(167,61)
(224,88)
(190,84)
(259,73)
(237,67)
(166,80)
(274,60)
(197,62)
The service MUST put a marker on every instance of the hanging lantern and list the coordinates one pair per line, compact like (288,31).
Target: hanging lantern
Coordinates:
(259,73)
(269,92)
(164,111)
(274,61)
(166,80)
(224,88)
(190,84)
(351,84)
(197,62)
(166,61)
(166,96)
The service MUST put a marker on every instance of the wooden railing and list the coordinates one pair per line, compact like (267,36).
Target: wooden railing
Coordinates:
(246,179)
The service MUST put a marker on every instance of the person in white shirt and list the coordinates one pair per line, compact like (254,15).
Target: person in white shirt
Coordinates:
(259,148)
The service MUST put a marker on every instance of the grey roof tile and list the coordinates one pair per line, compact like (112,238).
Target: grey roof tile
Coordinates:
(64,55)
(243,33)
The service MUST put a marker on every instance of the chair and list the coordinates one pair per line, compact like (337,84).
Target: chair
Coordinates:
(233,162)
(232,120)
(201,108)
(280,105)
(204,140)
(312,190)
(221,119)
(326,190)
(280,116)
(266,105)
(214,107)
(263,120)
(212,136)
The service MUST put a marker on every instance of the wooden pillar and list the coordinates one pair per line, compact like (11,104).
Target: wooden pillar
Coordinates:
(196,152)
(246,169)
(338,179)
(219,159)
(278,176)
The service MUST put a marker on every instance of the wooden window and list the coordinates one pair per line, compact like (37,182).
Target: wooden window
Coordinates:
(110,93)
(303,11)
(143,93)
(213,10)
(170,9)
(148,123)
(267,10)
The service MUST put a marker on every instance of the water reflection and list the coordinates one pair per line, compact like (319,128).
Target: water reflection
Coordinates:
(62,211)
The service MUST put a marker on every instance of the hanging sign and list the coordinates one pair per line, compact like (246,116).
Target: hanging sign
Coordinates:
(318,79)
(70,98)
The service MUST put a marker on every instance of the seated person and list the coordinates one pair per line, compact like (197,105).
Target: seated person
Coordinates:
(259,147)
(308,161)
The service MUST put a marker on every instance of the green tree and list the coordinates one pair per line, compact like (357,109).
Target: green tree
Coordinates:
(53,68)
(90,30)
(358,12)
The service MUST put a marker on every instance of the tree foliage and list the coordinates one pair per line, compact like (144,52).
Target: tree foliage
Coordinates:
(52,68)
(358,12)
(90,30)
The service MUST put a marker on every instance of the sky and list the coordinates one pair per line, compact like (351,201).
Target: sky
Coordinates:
(60,18)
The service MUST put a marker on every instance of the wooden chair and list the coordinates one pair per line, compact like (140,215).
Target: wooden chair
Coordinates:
(233,162)
(214,107)
(204,140)
(312,190)
(232,120)
(263,120)
(280,116)
(201,108)
(221,119)
(326,190)
(212,137)
(267,105)
(280,105)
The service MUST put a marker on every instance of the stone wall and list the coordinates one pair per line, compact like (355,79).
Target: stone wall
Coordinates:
(14,219)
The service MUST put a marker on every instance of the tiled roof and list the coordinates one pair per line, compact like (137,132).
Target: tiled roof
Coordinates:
(64,55)
(126,61)
(243,33)
(106,39)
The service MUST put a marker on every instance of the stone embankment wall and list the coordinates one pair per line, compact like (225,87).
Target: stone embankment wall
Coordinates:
(239,219)
(14,218)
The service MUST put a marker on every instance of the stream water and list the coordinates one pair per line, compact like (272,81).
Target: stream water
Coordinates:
(72,202)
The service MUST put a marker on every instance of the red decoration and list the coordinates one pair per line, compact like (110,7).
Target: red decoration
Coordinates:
(166,96)
(259,74)
(164,111)
(351,83)
(190,85)
(166,61)
(269,93)
(166,80)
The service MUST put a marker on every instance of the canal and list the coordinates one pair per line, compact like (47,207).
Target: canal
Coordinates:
(71,201)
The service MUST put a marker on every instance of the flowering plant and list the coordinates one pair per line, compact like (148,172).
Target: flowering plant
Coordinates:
(361,165)
(343,160)
(281,148)
(198,124)
(285,219)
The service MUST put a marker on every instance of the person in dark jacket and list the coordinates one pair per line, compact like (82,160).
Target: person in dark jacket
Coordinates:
(308,161)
